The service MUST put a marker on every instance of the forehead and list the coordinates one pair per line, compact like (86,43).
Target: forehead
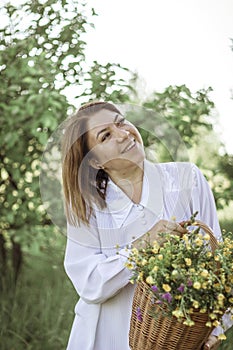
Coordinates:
(100,119)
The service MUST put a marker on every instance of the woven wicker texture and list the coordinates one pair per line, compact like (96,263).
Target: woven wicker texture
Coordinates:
(164,333)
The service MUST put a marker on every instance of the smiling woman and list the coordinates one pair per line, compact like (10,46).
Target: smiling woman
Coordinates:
(117,148)
(112,132)
(113,197)
(104,145)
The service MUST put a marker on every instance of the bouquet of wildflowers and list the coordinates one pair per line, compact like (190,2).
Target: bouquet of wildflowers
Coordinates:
(186,275)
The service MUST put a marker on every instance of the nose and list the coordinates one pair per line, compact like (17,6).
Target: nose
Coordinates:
(121,134)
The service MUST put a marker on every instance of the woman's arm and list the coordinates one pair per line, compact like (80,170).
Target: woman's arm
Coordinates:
(203,202)
(95,276)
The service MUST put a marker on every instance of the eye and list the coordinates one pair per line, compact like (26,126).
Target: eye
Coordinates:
(105,136)
(120,122)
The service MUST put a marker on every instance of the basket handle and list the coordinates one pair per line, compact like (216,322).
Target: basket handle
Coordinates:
(204,227)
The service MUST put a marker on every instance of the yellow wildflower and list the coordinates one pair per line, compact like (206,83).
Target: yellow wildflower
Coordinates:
(206,237)
(204,273)
(189,323)
(143,262)
(140,276)
(150,280)
(155,250)
(208,324)
(188,261)
(175,273)
(204,285)
(220,296)
(166,287)
(155,247)
(135,251)
(199,242)
(160,257)
(197,285)
(196,304)
(177,313)
(212,316)
(222,336)
(203,310)
(155,268)
(129,265)
(223,279)
(228,289)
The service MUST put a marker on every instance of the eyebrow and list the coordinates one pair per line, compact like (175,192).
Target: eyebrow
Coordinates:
(103,130)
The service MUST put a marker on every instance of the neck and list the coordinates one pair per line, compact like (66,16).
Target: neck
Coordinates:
(130,181)
(131,175)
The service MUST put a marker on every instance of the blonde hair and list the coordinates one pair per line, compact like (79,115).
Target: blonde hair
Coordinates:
(83,185)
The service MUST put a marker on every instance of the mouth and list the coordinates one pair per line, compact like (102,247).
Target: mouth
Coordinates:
(130,145)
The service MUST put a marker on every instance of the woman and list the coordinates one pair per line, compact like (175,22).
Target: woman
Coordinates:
(113,197)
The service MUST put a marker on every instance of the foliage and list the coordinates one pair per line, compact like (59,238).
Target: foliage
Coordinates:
(191,115)
(184,111)
(42,48)
(225,166)
(107,81)
(185,275)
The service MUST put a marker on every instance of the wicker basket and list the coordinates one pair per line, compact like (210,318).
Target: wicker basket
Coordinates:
(164,333)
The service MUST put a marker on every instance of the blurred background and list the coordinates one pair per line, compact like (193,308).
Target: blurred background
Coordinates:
(174,58)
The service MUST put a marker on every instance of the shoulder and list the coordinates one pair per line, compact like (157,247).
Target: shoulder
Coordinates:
(174,167)
(177,168)
(173,174)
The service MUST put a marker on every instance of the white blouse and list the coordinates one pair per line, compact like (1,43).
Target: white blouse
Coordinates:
(95,256)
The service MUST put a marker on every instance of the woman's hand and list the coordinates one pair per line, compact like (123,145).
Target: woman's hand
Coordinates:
(160,227)
(212,343)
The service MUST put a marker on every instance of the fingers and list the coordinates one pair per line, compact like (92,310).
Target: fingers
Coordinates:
(181,230)
(170,226)
(161,226)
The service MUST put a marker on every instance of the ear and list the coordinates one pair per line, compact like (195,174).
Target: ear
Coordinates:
(95,164)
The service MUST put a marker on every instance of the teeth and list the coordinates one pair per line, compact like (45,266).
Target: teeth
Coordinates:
(129,147)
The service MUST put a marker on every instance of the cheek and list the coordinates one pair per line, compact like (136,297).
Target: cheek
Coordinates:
(138,136)
(103,152)
(135,132)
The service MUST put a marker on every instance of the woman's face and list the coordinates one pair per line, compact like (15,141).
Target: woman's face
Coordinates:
(115,142)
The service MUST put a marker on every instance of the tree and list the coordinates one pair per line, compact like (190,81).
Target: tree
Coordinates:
(42,48)
(183,111)
(181,127)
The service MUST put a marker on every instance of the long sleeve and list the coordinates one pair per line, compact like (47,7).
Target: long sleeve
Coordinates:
(95,276)
(203,202)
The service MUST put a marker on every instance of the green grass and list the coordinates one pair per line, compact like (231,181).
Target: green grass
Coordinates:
(37,314)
